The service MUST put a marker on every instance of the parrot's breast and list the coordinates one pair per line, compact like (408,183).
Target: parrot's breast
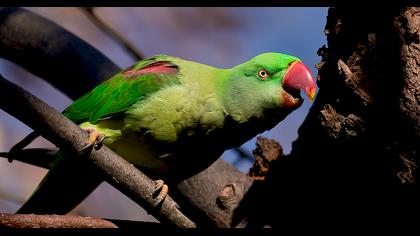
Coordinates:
(176,110)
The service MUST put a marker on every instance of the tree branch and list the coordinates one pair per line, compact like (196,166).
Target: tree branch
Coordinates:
(52,221)
(51,52)
(40,157)
(118,172)
(202,191)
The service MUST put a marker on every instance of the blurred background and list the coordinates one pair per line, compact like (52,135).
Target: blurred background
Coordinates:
(221,37)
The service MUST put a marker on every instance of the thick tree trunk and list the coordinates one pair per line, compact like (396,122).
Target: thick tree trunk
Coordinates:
(356,156)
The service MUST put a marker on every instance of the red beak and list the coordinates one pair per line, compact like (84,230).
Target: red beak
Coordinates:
(299,78)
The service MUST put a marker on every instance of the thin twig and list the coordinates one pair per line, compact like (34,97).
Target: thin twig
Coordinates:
(62,132)
(131,49)
(41,157)
(23,143)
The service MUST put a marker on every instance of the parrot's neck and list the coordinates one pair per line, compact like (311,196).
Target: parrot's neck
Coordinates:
(243,99)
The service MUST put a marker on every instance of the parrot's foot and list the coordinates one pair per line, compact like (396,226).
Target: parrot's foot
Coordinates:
(95,139)
(160,192)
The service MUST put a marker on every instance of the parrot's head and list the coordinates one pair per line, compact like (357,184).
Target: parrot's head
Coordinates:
(267,81)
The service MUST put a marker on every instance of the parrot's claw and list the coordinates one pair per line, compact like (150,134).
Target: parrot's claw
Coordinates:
(160,192)
(95,139)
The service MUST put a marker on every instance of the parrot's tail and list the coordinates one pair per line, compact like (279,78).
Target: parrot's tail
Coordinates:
(66,185)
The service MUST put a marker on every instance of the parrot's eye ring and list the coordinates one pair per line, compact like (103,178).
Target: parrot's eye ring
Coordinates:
(263,74)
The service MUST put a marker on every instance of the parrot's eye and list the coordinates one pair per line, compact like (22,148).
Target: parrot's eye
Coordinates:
(263,74)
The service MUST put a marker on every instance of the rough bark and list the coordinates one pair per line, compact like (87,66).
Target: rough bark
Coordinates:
(208,187)
(356,156)
(267,151)
(71,221)
(52,221)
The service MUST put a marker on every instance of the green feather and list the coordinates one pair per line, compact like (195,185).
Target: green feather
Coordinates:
(117,94)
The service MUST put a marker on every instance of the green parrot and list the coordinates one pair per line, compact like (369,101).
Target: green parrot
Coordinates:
(172,118)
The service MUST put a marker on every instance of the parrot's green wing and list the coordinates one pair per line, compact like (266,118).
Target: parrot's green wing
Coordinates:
(118,93)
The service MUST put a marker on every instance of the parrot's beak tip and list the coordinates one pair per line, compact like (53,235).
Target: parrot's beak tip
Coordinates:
(311,94)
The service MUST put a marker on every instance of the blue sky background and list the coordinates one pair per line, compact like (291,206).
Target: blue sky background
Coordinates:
(221,37)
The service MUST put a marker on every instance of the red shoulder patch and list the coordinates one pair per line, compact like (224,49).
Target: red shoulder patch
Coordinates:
(159,67)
